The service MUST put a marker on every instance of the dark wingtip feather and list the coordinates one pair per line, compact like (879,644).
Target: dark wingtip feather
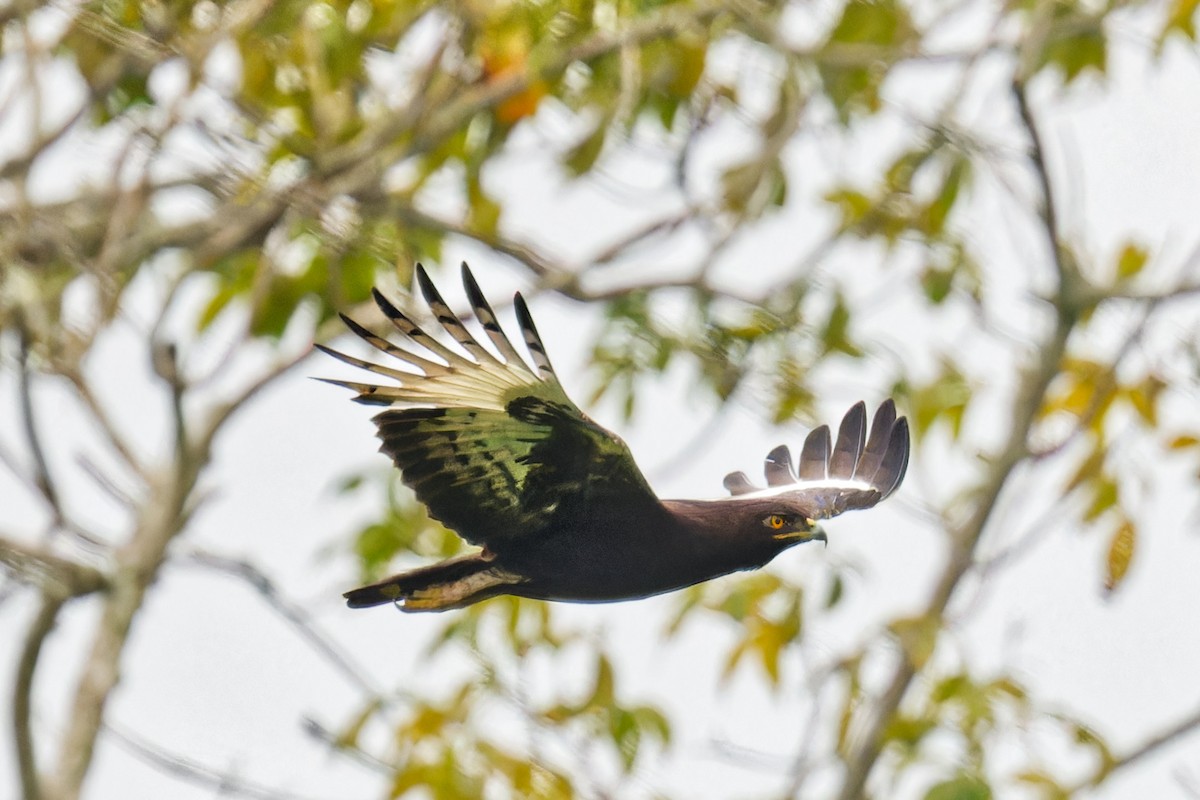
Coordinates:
(778,466)
(895,460)
(737,483)
(533,341)
(366,392)
(814,455)
(881,431)
(486,317)
(852,435)
(386,306)
(427,287)
(358,330)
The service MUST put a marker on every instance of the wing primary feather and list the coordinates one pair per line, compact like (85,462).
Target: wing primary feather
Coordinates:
(487,318)
(532,341)
(852,435)
(778,467)
(814,455)
(877,442)
(737,483)
(368,394)
(895,460)
(384,346)
(449,320)
(410,329)
(378,369)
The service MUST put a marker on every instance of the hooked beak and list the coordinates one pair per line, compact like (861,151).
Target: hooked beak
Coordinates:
(814,533)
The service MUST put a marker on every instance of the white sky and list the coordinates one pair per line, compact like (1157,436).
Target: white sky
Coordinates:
(211,673)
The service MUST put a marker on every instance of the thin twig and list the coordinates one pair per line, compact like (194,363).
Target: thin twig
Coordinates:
(180,766)
(1188,725)
(41,472)
(294,614)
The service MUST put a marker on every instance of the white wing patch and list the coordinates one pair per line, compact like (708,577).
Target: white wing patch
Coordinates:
(832,484)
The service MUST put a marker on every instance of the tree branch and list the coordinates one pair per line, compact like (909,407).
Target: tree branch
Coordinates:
(1188,725)
(39,629)
(38,566)
(41,472)
(165,511)
(1028,400)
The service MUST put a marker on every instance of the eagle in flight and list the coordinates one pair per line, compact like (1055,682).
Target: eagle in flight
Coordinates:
(500,455)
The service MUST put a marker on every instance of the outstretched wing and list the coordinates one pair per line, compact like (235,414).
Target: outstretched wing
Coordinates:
(833,477)
(495,450)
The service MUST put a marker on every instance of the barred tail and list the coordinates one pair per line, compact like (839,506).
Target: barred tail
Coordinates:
(449,584)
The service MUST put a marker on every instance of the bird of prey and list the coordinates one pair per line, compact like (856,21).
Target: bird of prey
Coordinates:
(500,455)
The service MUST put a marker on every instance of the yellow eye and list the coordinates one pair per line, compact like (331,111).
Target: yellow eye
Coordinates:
(775,522)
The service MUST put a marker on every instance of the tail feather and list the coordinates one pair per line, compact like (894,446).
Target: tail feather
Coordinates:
(449,584)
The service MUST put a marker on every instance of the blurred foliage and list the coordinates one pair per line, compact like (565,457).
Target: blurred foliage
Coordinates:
(313,149)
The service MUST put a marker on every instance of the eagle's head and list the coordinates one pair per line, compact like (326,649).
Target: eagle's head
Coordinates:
(791,528)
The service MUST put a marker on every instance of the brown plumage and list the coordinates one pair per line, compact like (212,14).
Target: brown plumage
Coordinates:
(499,454)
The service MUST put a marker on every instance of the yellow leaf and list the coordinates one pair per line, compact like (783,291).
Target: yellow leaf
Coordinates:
(918,636)
(1089,470)
(1120,553)
(1184,441)
(1131,260)
(1105,495)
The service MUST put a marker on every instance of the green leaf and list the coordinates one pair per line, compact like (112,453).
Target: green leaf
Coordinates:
(944,398)
(908,731)
(1105,495)
(957,176)
(853,205)
(852,80)
(837,588)
(582,157)
(1075,42)
(835,337)
(936,283)
(483,214)
(1049,789)
(963,787)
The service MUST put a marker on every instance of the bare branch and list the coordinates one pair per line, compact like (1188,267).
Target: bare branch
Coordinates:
(105,423)
(38,566)
(39,629)
(1028,400)
(165,511)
